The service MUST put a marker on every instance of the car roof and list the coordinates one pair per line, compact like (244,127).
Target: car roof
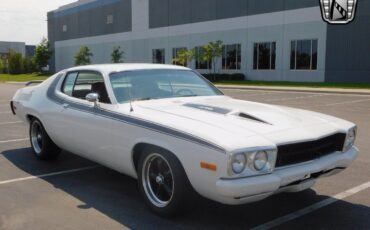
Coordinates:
(109,68)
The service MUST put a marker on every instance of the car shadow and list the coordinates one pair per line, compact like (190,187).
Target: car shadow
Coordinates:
(116,196)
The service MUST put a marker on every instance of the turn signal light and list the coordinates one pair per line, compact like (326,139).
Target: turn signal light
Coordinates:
(208,166)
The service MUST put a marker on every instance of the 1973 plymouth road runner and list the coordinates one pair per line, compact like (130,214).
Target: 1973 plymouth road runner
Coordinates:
(179,135)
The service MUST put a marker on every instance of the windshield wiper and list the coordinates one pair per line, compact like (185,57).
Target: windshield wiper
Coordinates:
(144,99)
(191,95)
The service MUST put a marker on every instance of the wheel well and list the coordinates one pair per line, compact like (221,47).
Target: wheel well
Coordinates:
(30,117)
(136,152)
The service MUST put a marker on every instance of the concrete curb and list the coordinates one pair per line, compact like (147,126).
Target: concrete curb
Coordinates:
(365,92)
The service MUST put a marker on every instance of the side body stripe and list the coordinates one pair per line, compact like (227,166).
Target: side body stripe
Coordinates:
(51,94)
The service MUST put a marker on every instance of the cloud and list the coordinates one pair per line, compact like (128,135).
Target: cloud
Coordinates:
(25,20)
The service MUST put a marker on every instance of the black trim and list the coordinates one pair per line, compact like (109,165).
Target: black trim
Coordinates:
(128,120)
(12,107)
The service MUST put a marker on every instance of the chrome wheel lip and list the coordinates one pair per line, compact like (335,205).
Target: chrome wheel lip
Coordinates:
(150,194)
(36,137)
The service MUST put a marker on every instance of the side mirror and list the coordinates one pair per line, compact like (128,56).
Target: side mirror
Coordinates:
(93,97)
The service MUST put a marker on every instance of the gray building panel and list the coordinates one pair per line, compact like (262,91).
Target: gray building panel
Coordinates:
(164,13)
(348,49)
(83,21)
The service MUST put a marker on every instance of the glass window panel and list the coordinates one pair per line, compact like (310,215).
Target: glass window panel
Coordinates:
(159,56)
(314,54)
(273,55)
(264,56)
(255,53)
(293,55)
(304,54)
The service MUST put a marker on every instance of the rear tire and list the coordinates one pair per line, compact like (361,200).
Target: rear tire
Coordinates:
(163,183)
(42,146)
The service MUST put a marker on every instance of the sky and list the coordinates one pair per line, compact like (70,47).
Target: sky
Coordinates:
(25,20)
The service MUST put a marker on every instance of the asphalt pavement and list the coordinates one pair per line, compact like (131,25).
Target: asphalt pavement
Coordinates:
(74,193)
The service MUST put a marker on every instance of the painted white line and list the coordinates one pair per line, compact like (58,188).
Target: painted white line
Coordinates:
(10,123)
(15,140)
(48,175)
(343,103)
(4,112)
(295,98)
(312,208)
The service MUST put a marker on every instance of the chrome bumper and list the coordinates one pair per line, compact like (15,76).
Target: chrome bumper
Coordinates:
(291,179)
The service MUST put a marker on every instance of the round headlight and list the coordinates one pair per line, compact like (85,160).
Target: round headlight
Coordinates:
(260,160)
(238,163)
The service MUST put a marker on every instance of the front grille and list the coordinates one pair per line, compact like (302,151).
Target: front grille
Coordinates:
(307,151)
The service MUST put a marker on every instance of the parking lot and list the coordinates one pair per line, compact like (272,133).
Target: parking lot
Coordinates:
(73,193)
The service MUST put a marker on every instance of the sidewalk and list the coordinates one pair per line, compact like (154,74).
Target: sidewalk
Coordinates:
(298,89)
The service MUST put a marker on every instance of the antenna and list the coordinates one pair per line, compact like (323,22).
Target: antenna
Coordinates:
(130,98)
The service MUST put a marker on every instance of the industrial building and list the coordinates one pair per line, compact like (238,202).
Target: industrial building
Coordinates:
(19,47)
(272,40)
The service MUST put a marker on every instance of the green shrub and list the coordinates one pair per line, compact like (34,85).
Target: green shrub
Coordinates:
(15,63)
(29,65)
(225,77)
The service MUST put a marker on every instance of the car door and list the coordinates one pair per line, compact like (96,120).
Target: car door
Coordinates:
(85,131)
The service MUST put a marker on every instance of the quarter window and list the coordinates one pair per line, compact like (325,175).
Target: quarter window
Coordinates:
(231,57)
(158,56)
(80,84)
(303,54)
(264,55)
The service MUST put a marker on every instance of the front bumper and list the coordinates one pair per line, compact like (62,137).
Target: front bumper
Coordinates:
(292,179)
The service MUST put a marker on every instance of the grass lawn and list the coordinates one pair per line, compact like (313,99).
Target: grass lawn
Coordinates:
(297,84)
(22,77)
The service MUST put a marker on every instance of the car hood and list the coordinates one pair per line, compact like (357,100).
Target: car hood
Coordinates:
(236,124)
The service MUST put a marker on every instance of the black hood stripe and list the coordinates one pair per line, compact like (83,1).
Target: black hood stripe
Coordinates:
(208,108)
(51,94)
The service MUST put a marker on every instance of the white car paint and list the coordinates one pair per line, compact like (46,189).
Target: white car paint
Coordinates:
(194,135)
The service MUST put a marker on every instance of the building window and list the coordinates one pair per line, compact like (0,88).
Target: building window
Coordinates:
(231,56)
(64,28)
(199,63)
(110,19)
(158,56)
(175,55)
(303,54)
(264,55)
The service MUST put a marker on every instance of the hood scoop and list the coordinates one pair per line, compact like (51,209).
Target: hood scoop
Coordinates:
(247,116)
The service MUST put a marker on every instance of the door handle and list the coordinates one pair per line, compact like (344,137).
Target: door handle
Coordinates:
(65,105)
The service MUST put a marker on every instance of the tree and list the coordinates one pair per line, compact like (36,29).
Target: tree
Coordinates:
(184,56)
(42,54)
(211,52)
(83,56)
(15,62)
(29,65)
(117,55)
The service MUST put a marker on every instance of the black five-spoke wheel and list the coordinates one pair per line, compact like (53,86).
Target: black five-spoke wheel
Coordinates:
(158,180)
(163,182)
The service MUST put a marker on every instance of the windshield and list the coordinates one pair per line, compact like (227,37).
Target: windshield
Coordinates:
(158,84)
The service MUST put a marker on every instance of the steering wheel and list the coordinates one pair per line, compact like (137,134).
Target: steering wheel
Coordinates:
(185,92)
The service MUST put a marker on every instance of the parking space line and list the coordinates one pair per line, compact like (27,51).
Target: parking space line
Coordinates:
(4,112)
(343,103)
(48,175)
(312,208)
(14,140)
(10,123)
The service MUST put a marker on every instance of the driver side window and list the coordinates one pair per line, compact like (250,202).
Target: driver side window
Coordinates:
(80,84)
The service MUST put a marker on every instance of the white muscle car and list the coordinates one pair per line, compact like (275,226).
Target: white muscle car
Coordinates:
(179,135)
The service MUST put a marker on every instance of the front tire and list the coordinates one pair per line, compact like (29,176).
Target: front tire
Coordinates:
(42,146)
(163,182)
